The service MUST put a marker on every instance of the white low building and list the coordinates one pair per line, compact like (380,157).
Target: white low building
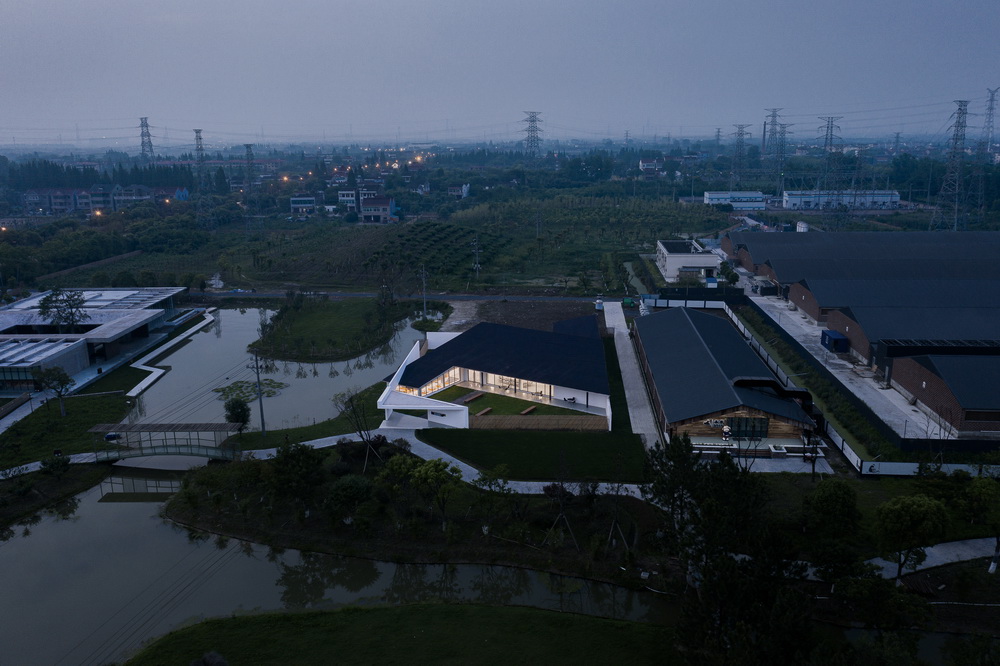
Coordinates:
(685,258)
(738,200)
(853,199)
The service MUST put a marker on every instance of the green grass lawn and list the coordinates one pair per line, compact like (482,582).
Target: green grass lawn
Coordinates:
(501,405)
(545,455)
(37,435)
(419,634)
(317,330)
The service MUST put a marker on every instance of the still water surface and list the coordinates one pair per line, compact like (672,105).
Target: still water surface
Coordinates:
(91,583)
(217,356)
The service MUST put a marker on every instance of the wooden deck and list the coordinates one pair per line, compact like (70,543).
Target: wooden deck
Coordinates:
(538,422)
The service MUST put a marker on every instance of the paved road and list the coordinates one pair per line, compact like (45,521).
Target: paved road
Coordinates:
(639,409)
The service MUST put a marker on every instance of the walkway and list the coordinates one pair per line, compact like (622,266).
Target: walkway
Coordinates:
(943,553)
(639,410)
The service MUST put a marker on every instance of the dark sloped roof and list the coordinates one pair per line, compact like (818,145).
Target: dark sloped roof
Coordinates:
(959,293)
(919,323)
(552,358)
(867,255)
(696,358)
(973,380)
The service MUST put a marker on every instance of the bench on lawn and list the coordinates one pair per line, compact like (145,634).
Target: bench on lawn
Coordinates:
(485,411)
(529,410)
(472,396)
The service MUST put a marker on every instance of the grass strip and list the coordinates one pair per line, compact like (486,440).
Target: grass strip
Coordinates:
(545,455)
(418,634)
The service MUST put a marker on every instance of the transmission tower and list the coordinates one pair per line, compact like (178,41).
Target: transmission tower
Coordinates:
(983,155)
(718,140)
(896,144)
(146,140)
(950,197)
(829,138)
(780,155)
(199,152)
(739,156)
(248,185)
(205,220)
(532,140)
(770,147)
(988,120)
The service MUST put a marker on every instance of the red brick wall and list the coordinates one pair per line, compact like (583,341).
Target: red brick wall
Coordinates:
(840,322)
(804,300)
(929,389)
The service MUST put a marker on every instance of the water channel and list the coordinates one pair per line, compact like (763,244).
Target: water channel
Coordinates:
(95,578)
(217,356)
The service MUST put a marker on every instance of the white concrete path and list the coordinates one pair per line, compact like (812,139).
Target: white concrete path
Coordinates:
(942,554)
(639,410)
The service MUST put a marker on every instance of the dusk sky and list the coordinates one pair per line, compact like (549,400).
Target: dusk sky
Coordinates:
(466,70)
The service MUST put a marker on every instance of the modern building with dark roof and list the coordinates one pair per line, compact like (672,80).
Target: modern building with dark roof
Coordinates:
(957,393)
(703,376)
(557,368)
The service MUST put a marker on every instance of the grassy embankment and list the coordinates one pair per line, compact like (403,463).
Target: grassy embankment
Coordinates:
(309,329)
(420,634)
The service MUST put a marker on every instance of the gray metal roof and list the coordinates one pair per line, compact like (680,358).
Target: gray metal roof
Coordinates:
(973,380)
(697,361)
(958,293)
(873,255)
(927,324)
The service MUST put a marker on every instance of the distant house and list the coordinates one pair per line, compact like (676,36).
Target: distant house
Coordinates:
(738,200)
(460,191)
(685,258)
(301,204)
(380,210)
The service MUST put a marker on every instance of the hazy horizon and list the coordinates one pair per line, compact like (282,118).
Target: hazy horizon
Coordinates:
(446,71)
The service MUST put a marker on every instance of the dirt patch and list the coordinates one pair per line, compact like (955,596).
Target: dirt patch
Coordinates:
(537,315)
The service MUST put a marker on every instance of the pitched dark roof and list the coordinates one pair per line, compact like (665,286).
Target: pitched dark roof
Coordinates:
(919,323)
(551,358)
(698,361)
(958,293)
(872,255)
(973,380)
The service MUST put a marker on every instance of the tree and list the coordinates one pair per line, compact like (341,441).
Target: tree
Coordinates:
(437,482)
(55,465)
(352,406)
(238,411)
(63,308)
(671,478)
(907,524)
(982,497)
(55,380)
(832,520)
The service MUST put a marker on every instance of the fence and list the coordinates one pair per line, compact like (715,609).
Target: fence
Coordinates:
(14,404)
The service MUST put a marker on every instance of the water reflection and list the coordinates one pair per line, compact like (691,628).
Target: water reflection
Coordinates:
(218,357)
(133,575)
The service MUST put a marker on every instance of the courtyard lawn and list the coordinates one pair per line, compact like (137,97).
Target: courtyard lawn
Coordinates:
(500,405)
(545,455)
(419,634)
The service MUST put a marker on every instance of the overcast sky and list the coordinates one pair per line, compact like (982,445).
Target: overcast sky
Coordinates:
(466,70)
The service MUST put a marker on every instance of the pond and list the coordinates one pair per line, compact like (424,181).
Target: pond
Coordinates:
(96,577)
(217,357)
